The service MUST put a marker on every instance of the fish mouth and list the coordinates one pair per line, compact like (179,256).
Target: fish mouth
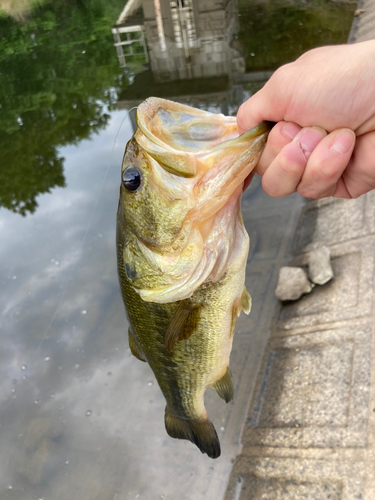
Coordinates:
(183,128)
(211,161)
(185,140)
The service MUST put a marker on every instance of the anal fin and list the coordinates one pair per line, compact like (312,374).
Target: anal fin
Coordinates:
(135,350)
(183,323)
(201,432)
(224,386)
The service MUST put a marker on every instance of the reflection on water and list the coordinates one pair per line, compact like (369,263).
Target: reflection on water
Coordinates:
(58,76)
(202,53)
(276,32)
(79,417)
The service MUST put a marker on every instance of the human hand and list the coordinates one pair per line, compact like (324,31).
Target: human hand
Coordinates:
(324,143)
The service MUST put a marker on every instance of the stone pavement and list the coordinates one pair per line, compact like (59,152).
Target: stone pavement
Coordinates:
(310,427)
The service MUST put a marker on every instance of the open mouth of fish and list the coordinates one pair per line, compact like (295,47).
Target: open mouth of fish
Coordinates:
(199,157)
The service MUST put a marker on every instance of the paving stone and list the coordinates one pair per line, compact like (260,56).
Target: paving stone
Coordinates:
(363,25)
(313,391)
(348,295)
(311,422)
(295,479)
(330,221)
(275,489)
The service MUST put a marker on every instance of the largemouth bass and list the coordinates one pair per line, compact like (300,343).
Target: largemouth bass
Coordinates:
(182,250)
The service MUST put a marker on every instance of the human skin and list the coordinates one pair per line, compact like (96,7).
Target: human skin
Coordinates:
(323,143)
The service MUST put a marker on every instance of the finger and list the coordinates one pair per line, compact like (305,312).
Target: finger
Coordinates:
(281,135)
(269,103)
(246,115)
(326,164)
(285,172)
(367,126)
(359,176)
(256,110)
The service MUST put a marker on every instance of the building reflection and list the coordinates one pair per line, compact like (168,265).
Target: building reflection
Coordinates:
(193,52)
(186,39)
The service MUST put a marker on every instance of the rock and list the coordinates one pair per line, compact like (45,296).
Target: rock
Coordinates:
(320,270)
(293,283)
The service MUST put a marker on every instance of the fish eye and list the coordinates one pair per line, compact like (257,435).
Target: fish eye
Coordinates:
(131,178)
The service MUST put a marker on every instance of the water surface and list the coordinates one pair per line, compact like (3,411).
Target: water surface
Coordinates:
(79,416)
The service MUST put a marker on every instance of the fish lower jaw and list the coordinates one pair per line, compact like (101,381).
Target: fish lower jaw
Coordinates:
(215,260)
(215,246)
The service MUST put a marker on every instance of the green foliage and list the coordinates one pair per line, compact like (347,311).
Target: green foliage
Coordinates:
(277,32)
(58,73)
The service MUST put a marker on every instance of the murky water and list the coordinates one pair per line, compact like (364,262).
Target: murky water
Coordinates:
(80,417)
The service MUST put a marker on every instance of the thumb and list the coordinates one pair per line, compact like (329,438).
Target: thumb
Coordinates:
(268,104)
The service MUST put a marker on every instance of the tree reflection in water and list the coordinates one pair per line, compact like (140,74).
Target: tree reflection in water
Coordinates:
(58,76)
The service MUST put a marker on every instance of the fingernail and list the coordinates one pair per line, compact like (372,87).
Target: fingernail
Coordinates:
(309,138)
(290,130)
(343,142)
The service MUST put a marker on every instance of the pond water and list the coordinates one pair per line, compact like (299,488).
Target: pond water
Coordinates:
(80,417)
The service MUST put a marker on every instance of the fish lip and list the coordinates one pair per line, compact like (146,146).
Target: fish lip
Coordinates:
(156,102)
(152,105)
(179,150)
(263,128)
(269,126)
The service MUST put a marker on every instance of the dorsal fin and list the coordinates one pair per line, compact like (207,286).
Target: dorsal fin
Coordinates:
(183,323)
(135,350)
(224,386)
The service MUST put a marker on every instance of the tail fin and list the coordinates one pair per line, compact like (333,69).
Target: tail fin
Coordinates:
(200,432)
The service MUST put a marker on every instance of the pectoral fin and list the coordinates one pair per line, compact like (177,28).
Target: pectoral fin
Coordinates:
(135,350)
(236,310)
(242,304)
(246,301)
(183,323)
(224,386)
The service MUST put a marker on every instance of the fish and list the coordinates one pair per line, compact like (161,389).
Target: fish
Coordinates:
(181,252)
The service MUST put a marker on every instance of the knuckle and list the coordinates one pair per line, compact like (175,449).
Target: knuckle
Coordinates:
(289,167)
(307,192)
(281,71)
(326,171)
(324,175)
(315,192)
(276,140)
(275,190)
